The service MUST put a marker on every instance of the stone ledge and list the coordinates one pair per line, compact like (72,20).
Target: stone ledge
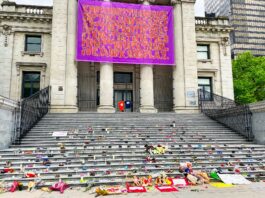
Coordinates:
(205,60)
(148,109)
(106,109)
(23,53)
(257,107)
(7,104)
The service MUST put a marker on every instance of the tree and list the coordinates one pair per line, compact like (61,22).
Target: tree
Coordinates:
(249,78)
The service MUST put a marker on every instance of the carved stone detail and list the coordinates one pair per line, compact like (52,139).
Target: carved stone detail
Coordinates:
(6,31)
(225,43)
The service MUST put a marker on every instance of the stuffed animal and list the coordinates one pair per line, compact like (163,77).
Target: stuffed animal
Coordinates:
(101,192)
(30,175)
(31,186)
(16,185)
(159,181)
(203,177)
(60,186)
(137,181)
(192,179)
(62,148)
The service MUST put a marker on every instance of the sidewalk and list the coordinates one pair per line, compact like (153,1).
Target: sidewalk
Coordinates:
(255,190)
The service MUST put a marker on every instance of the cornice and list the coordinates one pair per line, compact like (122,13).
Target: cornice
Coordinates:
(224,29)
(21,17)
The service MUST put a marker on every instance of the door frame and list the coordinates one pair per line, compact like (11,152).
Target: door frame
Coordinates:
(123,91)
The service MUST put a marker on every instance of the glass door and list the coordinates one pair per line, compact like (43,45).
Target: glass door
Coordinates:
(126,96)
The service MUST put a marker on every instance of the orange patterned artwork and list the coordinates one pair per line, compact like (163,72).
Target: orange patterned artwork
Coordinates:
(125,33)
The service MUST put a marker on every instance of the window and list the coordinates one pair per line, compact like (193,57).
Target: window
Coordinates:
(122,77)
(33,43)
(205,84)
(30,84)
(203,52)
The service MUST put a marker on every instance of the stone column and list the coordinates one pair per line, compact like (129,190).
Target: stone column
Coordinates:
(226,68)
(106,87)
(185,83)
(147,83)
(63,72)
(7,85)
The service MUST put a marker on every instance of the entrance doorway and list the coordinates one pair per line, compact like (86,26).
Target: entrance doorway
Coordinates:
(125,95)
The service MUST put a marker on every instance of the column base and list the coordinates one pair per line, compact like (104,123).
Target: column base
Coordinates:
(150,109)
(63,109)
(183,110)
(106,109)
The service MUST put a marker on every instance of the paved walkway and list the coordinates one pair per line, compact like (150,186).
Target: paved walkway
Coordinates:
(255,190)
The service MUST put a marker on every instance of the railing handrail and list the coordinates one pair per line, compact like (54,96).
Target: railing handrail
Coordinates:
(6,98)
(32,110)
(227,112)
(33,95)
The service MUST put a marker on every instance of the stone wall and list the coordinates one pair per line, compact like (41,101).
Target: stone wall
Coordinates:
(7,121)
(215,33)
(18,21)
(258,121)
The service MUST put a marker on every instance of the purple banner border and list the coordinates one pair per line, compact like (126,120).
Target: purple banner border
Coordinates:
(81,58)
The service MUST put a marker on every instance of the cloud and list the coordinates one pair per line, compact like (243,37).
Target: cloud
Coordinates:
(199,8)
(35,2)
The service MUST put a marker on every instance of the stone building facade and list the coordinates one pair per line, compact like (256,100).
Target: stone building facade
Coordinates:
(37,46)
(247,19)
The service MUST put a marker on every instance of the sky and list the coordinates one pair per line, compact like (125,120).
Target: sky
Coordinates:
(199,6)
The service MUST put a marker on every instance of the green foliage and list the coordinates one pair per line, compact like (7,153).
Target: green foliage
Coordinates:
(249,78)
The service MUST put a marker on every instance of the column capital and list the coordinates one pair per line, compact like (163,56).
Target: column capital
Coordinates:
(174,2)
(149,1)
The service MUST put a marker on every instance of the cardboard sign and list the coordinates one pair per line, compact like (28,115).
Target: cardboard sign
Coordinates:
(59,133)
(179,182)
(166,189)
(233,179)
(136,189)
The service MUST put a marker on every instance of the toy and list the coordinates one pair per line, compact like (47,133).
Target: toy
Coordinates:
(62,148)
(31,186)
(137,181)
(16,185)
(158,181)
(60,186)
(30,175)
(101,192)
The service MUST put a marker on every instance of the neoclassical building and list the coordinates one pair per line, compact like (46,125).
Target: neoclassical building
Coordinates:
(38,49)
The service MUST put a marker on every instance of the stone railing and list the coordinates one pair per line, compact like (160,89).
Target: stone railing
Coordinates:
(27,9)
(9,113)
(258,107)
(258,120)
(218,21)
(7,102)
(36,10)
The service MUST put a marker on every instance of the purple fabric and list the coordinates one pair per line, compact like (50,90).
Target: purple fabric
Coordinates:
(125,33)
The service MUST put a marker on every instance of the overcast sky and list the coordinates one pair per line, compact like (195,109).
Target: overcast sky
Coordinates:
(199,7)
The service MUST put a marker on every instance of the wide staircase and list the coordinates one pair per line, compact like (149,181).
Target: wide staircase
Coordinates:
(114,151)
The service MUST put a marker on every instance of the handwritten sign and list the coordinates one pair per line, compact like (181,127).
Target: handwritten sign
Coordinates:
(125,33)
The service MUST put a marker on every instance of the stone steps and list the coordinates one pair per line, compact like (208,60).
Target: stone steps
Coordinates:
(119,154)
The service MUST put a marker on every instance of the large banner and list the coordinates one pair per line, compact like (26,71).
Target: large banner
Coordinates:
(125,33)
